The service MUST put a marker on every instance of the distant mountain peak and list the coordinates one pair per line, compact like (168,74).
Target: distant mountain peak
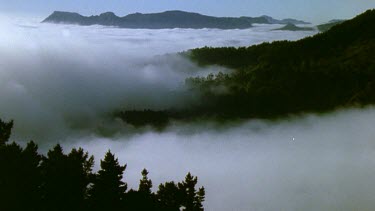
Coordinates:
(166,19)
(178,11)
(293,27)
(108,14)
(64,13)
(272,20)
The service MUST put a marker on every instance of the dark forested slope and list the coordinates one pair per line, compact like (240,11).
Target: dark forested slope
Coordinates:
(319,73)
(331,69)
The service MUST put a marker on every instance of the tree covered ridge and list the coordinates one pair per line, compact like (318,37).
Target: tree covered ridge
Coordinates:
(61,182)
(319,73)
(348,33)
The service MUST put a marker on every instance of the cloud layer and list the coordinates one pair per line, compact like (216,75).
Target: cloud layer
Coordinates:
(58,83)
(59,78)
(312,162)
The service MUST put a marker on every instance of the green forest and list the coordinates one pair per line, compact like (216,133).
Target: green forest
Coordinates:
(324,72)
(60,181)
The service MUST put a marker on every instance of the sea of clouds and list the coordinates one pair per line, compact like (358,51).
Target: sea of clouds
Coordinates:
(60,82)
(58,78)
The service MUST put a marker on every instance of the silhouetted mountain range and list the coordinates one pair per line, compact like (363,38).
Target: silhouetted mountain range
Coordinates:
(168,19)
(271,20)
(292,27)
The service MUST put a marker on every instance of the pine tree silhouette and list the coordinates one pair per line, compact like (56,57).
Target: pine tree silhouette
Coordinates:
(145,184)
(192,198)
(66,179)
(5,131)
(60,182)
(108,190)
(169,196)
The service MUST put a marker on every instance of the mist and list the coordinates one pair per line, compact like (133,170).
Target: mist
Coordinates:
(65,80)
(309,162)
(61,82)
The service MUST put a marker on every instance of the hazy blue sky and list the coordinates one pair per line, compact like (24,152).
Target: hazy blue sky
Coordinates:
(310,10)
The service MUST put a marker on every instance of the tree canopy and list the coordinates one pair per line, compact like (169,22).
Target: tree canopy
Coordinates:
(60,181)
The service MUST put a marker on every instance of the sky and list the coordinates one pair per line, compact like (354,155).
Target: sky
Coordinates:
(315,11)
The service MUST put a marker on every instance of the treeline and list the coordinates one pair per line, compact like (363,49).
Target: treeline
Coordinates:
(139,118)
(316,74)
(62,182)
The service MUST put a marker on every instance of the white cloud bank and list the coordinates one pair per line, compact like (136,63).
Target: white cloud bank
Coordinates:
(54,78)
(57,77)
(330,164)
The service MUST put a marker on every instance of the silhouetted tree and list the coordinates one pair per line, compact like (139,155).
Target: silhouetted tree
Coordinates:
(20,174)
(181,196)
(145,184)
(30,196)
(11,176)
(108,189)
(192,198)
(55,185)
(66,179)
(80,168)
(60,182)
(143,199)
(169,196)
(5,131)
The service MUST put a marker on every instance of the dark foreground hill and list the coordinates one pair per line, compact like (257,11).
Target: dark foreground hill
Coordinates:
(168,19)
(320,73)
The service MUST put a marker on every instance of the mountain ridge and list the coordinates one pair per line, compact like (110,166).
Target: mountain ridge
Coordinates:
(162,20)
(293,27)
(330,70)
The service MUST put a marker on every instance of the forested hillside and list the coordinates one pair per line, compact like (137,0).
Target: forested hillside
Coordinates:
(329,70)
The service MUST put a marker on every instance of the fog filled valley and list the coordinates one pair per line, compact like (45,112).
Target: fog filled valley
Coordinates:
(62,84)
(71,75)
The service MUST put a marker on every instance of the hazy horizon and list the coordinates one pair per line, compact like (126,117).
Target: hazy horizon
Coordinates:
(311,11)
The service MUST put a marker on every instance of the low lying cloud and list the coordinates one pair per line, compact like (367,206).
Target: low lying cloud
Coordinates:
(312,162)
(60,80)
